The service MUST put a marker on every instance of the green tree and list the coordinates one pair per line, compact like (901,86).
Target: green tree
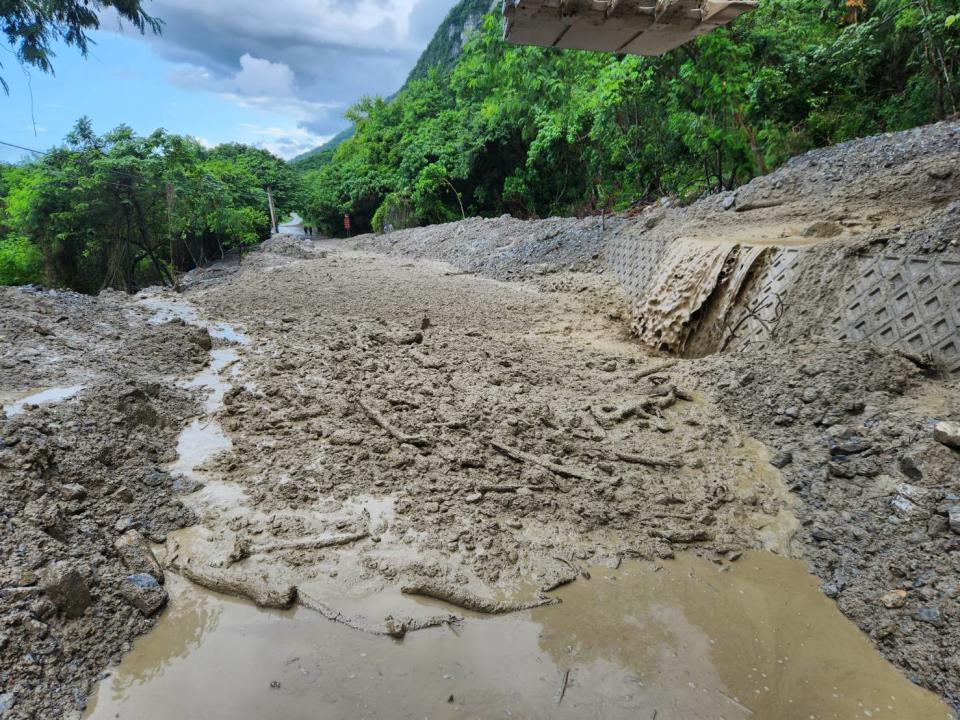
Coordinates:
(124,210)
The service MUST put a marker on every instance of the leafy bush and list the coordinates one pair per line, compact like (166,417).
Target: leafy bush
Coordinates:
(20,262)
(396,211)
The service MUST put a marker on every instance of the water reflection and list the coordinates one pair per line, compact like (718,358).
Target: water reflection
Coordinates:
(682,642)
(759,640)
(41,397)
(188,618)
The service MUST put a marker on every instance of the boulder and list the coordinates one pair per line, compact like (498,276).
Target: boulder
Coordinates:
(135,552)
(947,433)
(66,586)
(73,491)
(144,593)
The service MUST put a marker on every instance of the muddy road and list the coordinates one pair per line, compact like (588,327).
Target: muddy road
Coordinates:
(426,478)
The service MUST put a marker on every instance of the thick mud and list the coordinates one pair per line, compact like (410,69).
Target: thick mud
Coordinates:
(680,639)
(407,465)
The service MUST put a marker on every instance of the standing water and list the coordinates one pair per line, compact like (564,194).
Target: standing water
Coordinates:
(680,640)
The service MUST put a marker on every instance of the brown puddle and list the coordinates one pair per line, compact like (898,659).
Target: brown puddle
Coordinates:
(683,642)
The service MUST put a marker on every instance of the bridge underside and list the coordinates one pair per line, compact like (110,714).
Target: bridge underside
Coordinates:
(635,27)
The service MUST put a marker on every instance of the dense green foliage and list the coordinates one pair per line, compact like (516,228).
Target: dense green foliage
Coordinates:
(444,48)
(122,210)
(535,131)
(31,27)
(441,54)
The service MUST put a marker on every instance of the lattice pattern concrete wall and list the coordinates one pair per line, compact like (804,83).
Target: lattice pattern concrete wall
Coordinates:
(909,302)
(773,290)
(634,259)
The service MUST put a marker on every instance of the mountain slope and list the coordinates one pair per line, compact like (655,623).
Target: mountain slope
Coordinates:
(442,52)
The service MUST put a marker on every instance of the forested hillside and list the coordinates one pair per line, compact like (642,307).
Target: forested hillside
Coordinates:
(121,210)
(534,131)
(441,54)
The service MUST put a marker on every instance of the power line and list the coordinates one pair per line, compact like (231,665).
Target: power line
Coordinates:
(128,173)
(21,147)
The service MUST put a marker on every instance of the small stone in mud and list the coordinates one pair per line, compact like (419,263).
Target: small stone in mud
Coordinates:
(156,478)
(186,485)
(67,587)
(473,497)
(73,491)
(894,599)
(928,615)
(910,468)
(782,459)
(135,552)
(7,701)
(954,518)
(144,593)
(126,523)
(947,433)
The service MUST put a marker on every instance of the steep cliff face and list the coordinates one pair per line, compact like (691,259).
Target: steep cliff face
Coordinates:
(448,41)
(442,53)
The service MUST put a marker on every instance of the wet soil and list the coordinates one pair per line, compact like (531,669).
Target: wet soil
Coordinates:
(385,445)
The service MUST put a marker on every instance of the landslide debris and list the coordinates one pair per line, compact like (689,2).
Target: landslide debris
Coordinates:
(83,488)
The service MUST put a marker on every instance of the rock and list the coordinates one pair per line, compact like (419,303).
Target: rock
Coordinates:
(953,516)
(186,485)
(7,701)
(144,593)
(849,446)
(156,478)
(126,523)
(928,615)
(473,497)
(937,525)
(67,588)
(830,589)
(782,459)
(909,467)
(822,533)
(431,507)
(73,491)
(137,556)
(729,201)
(947,433)
(894,599)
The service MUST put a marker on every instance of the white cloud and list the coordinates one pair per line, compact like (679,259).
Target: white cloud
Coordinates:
(285,142)
(309,58)
(259,84)
(261,77)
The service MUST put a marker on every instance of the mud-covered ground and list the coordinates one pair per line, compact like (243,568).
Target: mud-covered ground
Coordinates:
(399,426)
(77,475)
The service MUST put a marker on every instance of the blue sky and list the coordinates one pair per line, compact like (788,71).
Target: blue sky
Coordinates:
(224,70)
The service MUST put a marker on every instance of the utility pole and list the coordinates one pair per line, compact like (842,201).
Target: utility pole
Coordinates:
(273,212)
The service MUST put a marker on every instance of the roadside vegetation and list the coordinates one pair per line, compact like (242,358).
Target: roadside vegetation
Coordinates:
(492,129)
(122,210)
(534,132)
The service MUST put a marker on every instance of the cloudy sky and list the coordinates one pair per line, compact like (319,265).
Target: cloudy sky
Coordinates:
(275,74)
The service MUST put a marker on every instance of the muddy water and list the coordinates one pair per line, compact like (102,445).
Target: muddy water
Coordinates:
(40,397)
(680,641)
